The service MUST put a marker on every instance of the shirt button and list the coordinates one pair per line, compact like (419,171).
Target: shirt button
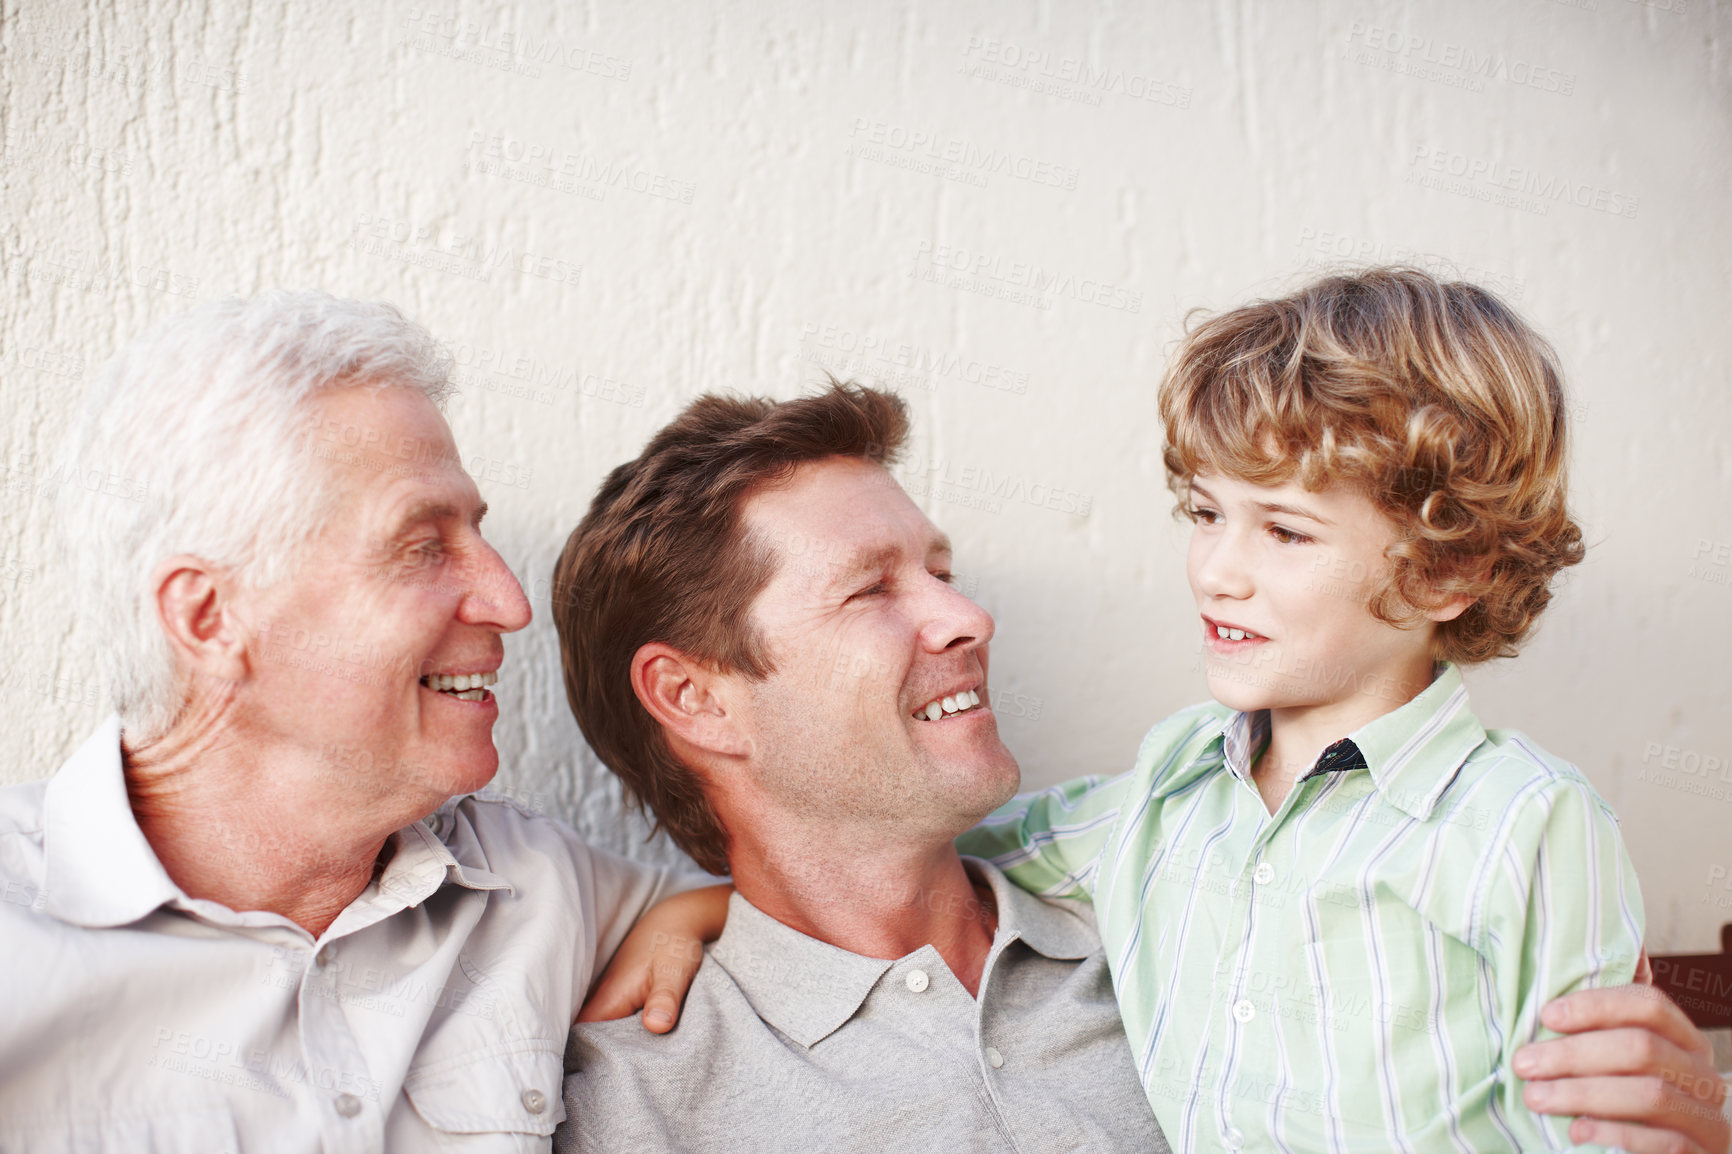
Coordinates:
(1243,1010)
(1233,1140)
(917,980)
(534,1101)
(1265,873)
(348,1105)
(436,823)
(994,1058)
(324,956)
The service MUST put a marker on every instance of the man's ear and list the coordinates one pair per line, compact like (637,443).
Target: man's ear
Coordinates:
(196,607)
(689,699)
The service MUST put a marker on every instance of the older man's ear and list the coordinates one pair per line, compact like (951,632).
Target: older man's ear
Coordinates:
(196,604)
(691,701)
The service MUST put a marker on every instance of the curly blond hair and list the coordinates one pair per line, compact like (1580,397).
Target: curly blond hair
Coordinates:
(1434,399)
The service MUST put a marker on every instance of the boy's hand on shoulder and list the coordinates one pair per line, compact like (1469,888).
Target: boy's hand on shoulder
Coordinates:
(1633,1069)
(655,965)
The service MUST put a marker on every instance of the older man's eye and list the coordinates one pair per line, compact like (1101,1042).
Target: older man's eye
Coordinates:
(871,590)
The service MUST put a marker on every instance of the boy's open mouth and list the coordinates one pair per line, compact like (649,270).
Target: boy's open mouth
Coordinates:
(1223,631)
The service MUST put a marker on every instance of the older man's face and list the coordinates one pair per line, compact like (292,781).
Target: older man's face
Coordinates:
(398,594)
(870,712)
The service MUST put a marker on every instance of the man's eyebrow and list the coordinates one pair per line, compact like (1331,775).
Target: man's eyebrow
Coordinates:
(431,510)
(878,556)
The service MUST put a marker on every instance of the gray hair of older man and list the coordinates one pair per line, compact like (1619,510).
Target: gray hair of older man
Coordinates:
(199,438)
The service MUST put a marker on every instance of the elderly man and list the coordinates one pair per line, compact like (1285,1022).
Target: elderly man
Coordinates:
(761,638)
(247,913)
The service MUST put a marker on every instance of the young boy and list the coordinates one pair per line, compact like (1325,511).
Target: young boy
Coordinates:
(1333,904)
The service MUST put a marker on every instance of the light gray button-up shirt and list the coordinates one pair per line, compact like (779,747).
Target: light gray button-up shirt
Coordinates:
(787,1043)
(431,1015)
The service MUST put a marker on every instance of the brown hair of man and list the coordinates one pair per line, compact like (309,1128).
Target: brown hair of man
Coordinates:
(1433,398)
(662,556)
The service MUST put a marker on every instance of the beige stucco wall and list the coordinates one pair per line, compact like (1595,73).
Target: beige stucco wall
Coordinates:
(744,195)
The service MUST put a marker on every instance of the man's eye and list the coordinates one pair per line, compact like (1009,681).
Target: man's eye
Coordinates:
(871,590)
(945,576)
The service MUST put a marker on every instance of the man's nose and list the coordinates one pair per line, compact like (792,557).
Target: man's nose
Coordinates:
(492,595)
(954,621)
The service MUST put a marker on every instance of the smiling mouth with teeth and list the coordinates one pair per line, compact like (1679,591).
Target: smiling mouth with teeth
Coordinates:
(463,686)
(948,706)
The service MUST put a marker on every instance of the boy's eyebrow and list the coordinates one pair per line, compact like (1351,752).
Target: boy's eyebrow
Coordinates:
(1268,506)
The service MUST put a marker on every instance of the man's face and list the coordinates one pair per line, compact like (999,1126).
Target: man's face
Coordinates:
(870,641)
(398,594)
(1282,577)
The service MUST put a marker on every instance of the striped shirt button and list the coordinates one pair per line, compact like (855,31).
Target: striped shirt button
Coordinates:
(1265,873)
(1232,1139)
(917,980)
(1243,1010)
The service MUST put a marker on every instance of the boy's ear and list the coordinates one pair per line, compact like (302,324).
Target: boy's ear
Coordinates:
(690,700)
(1451,609)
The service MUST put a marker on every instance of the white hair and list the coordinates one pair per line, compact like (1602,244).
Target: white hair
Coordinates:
(193,439)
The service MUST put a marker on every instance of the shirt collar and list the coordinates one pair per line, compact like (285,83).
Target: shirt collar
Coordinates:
(808,989)
(100,870)
(1412,752)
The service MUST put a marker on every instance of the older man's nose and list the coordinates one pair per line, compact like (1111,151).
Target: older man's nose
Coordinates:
(492,595)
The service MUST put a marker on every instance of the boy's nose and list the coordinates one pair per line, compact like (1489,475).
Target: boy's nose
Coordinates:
(1224,570)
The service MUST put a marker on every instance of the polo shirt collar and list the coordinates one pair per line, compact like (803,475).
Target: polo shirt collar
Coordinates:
(100,870)
(808,989)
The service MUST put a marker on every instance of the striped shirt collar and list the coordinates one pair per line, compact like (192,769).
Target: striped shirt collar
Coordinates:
(1413,752)
(101,871)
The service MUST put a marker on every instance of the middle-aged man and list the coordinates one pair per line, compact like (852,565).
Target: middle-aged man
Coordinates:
(761,637)
(248,914)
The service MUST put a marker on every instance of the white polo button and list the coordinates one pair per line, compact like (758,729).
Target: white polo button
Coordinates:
(917,980)
(325,956)
(1243,1010)
(348,1105)
(1265,873)
(994,1058)
(534,1101)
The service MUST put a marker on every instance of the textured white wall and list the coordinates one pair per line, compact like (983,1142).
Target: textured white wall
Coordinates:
(741,198)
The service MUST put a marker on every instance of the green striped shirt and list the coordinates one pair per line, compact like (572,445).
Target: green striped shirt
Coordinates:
(1354,971)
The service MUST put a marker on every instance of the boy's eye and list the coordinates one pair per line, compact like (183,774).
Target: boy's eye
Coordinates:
(1287,536)
(1203,515)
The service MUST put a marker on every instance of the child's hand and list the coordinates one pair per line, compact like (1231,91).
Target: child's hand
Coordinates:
(654,967)
(1637,1073)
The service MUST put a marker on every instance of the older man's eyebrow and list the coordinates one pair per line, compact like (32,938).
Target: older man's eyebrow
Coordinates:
(431,510)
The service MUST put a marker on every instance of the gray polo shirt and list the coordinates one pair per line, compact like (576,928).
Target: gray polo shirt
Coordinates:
(788,1043)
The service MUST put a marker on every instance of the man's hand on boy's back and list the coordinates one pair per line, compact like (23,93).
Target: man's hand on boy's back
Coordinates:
(1640,1076)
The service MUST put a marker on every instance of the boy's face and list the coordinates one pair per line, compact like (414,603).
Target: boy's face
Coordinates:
(1282,577)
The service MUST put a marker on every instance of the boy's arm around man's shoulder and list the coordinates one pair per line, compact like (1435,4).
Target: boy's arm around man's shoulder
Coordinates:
(1050,842)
